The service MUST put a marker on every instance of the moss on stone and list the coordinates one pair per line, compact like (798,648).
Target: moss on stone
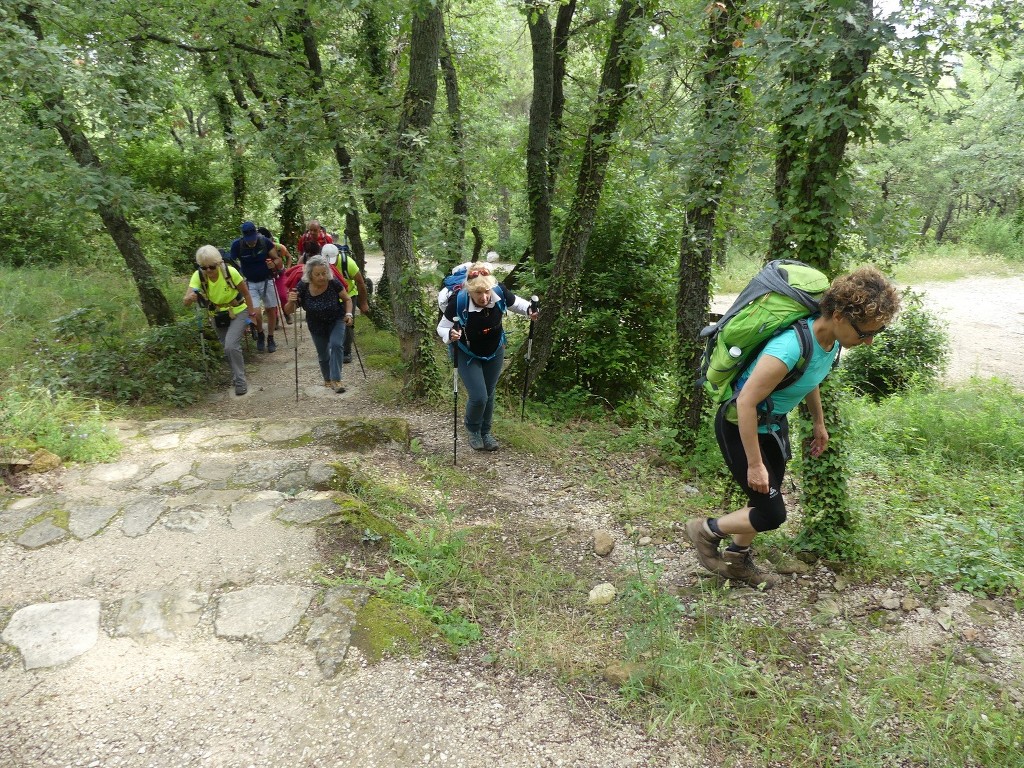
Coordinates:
(358,515)
(363,434)
(384,628)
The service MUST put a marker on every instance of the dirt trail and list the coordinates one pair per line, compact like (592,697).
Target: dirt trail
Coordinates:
(194,698)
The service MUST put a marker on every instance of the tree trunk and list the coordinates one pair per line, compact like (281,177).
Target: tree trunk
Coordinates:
(563,26)
(616,78)
(61,116)
(707,177)
(954,198)
(456,235)
(400,266)
(538,193)
(311,52)
(235,151)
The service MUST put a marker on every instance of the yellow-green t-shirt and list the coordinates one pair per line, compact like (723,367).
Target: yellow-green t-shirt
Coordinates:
(219,293)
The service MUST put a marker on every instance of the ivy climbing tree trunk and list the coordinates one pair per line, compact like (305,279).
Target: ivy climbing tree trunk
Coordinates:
(618,73)
(400,267)
(813,199)
(60,115)
(716,136)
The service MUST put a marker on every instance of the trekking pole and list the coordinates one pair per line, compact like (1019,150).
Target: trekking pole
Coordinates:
(455,399)
(298,333)
(358,356)
(202,337)
(534,307)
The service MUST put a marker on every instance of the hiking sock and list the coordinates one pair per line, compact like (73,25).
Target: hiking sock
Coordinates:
(737,548)
(713,526)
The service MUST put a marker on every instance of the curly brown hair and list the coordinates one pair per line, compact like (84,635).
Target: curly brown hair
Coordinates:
(865,296)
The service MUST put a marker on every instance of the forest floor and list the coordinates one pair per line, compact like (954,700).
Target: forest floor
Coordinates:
(180,687)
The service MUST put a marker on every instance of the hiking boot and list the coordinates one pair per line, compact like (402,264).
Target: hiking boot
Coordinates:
(490,444)
(347,359)
(252,332)
(288,319)
(261,340)
(476,441)
(241,389)
(706,544)
(740,566)
(339,387)
(271,344)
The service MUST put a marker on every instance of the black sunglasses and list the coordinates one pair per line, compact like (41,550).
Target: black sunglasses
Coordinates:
(210,266)
(860,333)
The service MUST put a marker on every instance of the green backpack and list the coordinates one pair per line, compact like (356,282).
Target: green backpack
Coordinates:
(781,294)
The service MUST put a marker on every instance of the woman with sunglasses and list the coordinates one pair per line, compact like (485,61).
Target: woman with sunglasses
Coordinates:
(754,434)
(223,291)
(472,320)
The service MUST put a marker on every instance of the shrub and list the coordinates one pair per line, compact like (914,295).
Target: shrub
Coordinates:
(612,343)
(996,235)
(90,356)
(914,350)
(71,427)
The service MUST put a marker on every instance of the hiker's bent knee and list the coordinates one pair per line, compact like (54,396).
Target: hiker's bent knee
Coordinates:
(768,517)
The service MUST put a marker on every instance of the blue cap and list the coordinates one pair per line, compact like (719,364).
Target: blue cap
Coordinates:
(249,231)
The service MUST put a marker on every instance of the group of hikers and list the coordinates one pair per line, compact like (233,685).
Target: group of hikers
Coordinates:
(765,384)
(259,278)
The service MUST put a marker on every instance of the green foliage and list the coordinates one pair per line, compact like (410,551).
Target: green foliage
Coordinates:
(913,350)
(72,427)
(941,476)
(994,235)
(431,560)
(613,344)
(829,522)
(90,355)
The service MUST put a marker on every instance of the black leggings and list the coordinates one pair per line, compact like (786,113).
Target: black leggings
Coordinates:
(767,510)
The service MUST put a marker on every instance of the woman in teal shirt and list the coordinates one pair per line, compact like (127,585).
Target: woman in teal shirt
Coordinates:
(755,443)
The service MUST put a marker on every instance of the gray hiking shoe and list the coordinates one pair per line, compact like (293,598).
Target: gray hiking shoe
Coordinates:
(476,441)
(706,544)
(490,444)
(740,566)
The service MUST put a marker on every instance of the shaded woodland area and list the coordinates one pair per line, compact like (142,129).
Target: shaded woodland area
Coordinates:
(619,152)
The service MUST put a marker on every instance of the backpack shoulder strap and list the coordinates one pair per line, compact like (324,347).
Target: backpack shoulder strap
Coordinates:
(803,337)
(462,306)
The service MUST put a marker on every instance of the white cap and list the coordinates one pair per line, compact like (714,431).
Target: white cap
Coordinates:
(330,252)
(492,256)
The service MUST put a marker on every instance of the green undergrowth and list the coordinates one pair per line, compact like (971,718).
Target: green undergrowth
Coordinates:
(71,427)
(840,696)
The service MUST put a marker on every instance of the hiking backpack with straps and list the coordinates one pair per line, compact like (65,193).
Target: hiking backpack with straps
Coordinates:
(226,273)
(462,317)
(781,296)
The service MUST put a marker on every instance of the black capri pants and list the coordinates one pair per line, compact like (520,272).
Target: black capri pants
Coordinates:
(767,510)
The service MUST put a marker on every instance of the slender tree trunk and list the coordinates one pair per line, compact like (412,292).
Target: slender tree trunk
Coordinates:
(716,137)
(62,117)
(456,235)
(617,76)
(538,192)
(226,118)
(563,25)
(400,266)
(947,217)
(311,52)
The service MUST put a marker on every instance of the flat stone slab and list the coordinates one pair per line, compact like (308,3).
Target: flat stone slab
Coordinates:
(216,470)
(165,442)
(264,613)
(188,519)
(140,515)
(41,534)
(87,520)
(320,476)
(49,634)
(331,633)
(114,473)
(307,511)
(284,432)
(17,514)
(250,511)
(160,614)
(166,474)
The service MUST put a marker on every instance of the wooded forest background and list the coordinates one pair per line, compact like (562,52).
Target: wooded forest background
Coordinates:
(617,151)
